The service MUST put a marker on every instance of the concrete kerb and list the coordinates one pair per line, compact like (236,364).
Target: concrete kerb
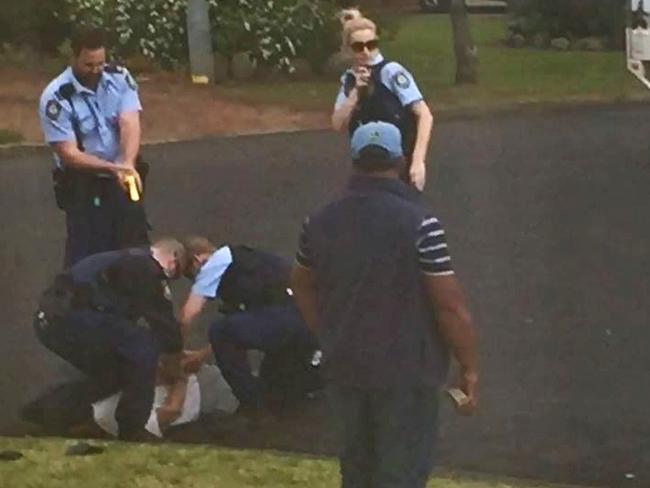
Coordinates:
(16,150)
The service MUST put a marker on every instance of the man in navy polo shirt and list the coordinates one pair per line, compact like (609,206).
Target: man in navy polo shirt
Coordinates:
(374,279)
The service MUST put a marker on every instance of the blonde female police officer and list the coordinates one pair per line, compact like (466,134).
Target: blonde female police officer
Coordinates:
(375,89)
(90,116)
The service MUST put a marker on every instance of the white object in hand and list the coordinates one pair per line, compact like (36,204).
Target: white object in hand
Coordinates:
(458,396)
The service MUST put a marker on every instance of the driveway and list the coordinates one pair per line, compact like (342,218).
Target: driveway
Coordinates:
(547,217)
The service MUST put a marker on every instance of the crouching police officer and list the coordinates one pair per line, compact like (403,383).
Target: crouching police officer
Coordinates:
(259,314)
(110,315)
(90,115)
(375,89)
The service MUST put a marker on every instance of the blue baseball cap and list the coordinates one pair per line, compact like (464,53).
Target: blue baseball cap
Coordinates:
(380,134)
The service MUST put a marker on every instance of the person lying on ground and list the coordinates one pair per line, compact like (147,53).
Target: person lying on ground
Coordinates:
(179,399)
(82,408)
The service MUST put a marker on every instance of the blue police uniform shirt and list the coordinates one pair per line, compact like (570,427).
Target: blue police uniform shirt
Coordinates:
(208,280)
(97,112)
(395,77)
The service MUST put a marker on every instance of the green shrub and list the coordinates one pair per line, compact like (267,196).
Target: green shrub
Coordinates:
(274,31)
(271,31)
(155,28)
(32,23)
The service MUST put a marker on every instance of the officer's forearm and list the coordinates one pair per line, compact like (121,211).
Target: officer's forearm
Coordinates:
(424,120)
(341,116)
(72,157)
(159,315)
(190,310)
(184,328)
(184,323)
(129,137)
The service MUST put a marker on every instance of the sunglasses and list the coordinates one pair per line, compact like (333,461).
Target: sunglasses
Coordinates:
(359,46)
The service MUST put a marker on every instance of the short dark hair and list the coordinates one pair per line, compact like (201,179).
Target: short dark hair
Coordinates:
(87,37)
(196,245)
(376,158)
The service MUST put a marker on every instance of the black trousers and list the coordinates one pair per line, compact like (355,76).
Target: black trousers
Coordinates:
(116,355)
(386,436)
(101,217)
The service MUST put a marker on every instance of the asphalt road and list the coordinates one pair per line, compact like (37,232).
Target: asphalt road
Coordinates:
(547,217)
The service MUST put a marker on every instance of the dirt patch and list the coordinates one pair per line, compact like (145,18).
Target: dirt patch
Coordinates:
(174,108)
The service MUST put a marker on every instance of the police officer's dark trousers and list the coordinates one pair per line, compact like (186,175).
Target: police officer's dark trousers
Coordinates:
(114,352)
(101,217)
(277,330)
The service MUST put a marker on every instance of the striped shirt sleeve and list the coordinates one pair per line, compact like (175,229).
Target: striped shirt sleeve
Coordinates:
(432,248)
(303,256)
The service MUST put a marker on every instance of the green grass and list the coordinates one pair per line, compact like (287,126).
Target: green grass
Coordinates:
(9,136)
(153,466)
(507,76)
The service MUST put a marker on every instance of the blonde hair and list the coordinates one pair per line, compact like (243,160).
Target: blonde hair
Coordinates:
(355,22)
(348,14)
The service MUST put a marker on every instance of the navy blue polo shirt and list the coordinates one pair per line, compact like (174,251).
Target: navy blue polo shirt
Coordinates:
(368,251)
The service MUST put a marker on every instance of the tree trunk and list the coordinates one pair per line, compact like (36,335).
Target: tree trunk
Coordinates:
(464,47)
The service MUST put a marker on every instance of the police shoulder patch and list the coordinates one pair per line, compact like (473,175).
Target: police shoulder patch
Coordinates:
(402,80)
(53,109)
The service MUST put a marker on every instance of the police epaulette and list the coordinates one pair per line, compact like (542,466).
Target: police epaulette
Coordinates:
(113,68)
(66,91)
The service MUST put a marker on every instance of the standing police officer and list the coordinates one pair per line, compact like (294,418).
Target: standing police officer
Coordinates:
(111,316)
(90,115)
(259,314)
(375,89)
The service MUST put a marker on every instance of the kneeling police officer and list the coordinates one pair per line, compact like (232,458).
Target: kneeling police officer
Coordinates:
(111,316)
(258,314)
